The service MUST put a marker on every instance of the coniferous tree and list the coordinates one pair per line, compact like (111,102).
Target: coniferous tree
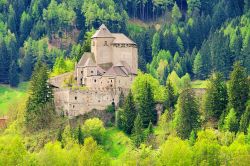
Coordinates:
(39,107)
(170,96)
(4,61)
(27,66)
(245,120)
(59,135)
(138,135)
(121,99)
(25,26)
(216,97)
(156,44)
(176,13)
(147,106)
(238,89)
(12,20)
(13,74)
(245,54)
(187,114)
(231,121)
(129,113)
(80,135)
(197,69)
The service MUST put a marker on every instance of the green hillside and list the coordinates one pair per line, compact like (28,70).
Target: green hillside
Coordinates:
(10,95)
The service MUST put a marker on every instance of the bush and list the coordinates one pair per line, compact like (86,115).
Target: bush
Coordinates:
(94,128)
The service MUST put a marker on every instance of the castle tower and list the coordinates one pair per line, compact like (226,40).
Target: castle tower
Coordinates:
(101,45)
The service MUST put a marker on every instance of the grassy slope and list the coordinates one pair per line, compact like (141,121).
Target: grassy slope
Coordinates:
(10,95)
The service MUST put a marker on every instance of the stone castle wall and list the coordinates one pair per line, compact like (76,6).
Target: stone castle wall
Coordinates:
(78,102)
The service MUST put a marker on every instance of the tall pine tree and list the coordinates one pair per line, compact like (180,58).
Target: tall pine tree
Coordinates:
(39,107)
(129,113)
(216,97)
(147,106)
(187,114)
(238,89)
(138,134)
(13,74)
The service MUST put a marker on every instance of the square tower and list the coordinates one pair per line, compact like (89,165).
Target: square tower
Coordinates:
(101,45)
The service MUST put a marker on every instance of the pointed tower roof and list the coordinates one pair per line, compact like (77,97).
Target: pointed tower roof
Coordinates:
(102,32)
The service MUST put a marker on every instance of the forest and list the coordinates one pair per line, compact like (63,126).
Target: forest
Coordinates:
(194,59)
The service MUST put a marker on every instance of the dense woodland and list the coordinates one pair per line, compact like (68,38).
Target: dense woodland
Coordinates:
(179,41)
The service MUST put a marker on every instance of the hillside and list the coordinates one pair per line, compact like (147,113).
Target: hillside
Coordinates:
(189,103)
(9,96)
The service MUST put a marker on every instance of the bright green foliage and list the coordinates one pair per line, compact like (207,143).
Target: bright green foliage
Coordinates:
(165,126)
(231,122)
(94,128)
(238,89)
(138,135)
(175,152)
(96,11)
(185,81)
(53,154)
(12,151)
(58,16)
(237,153)
(215,101)
(175,80)
(206,149)
(138,87)
(176,13)
(62,66)
(147,106)
(141,156)
(192,138)
(187,114)
(129,114)
(92,154)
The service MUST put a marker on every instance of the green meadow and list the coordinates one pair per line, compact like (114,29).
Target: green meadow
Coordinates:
(10,95)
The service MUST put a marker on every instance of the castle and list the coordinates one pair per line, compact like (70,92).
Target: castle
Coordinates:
(100,75)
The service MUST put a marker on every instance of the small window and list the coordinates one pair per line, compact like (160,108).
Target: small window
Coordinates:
(73,106)
(81,72)
(94,80)
(75,98)
(105,43)
(111,80)
(92,71)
